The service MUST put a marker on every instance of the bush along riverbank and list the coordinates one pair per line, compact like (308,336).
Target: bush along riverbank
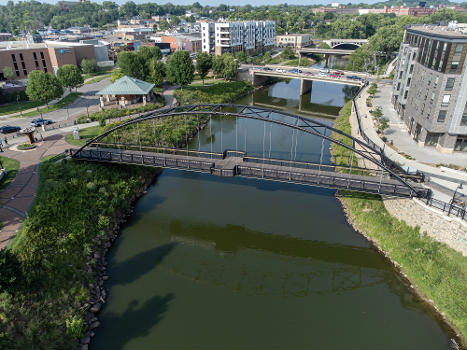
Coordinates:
(222,92)
(437,273)
(52,273)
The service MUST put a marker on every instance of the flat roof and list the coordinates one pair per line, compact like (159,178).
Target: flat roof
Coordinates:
(21,45)
(443,31)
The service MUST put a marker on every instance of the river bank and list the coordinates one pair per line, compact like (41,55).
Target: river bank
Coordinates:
(434,271)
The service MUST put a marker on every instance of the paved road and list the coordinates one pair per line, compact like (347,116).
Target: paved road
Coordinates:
(88,97)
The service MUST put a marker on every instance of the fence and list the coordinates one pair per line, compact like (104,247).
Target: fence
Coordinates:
(449,208)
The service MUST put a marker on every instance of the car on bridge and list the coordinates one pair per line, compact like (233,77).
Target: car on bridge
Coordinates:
(308,73)
(335,76)
(295,71)
(258,68)
(324,70)
(338,72)
(354,77)
(39,122)
(281,70)
(7,129)
(267,69)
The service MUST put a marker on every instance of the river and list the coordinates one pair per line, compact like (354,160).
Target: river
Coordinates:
(229,263)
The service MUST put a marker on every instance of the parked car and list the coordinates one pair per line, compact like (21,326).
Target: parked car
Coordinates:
(324,70)
(6,129)
(295,70)
(258,68)
(280,70)
(338,72)
(354,77)
(335,76)
(323,74)
(39,122)
(267,69)
(308,73)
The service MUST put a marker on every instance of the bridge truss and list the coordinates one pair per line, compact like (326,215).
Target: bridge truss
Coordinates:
(379,177)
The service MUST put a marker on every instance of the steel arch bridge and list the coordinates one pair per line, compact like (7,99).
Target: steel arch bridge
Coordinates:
(379,177)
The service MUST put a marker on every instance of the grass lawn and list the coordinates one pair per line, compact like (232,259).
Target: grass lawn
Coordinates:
(60,104)
(97,79)
(101,71)
(11,166)
(18,107)
(85,134)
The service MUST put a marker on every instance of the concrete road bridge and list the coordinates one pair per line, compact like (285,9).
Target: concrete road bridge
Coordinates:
(345,43)
(135,142)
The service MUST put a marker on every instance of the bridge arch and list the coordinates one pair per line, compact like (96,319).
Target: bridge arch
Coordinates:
(286,119)
(346,46)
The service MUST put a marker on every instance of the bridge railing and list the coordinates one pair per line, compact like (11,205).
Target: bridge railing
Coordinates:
(449,208)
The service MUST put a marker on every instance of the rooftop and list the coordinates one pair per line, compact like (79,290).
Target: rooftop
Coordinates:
(127,86)
(444,31)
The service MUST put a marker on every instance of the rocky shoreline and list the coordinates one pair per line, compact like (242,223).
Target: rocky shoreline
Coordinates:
(456,335)
(97,266)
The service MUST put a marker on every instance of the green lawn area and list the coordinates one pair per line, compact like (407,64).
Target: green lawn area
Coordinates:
(219,92)
(101,71)
(97,79)
(18,107)
(11,166)
(60,104)
(85,134)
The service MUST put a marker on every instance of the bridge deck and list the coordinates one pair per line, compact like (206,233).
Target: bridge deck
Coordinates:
(246,167)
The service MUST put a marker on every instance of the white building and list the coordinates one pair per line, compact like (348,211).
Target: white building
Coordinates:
(249,36)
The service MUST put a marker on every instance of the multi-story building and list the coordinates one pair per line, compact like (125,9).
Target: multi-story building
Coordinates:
(430,86)
(247,36)
(294,40)
(191,43)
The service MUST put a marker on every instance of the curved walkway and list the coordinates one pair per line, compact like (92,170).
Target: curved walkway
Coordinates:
(17,198)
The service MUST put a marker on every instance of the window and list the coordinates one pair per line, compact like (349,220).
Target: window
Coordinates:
(432,139)
(405,93)
(464,119)
(454,65)
(432,97)
(408,81)
(400,75)
(450,84)
(442,116)
(446,99)
(436,82)
(411,69)
(414,55)
(398,86)
(458,49)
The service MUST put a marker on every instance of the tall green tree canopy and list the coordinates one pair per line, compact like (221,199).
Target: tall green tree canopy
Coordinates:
(180,69)
(70,76)
(149,52)
(230,67)
(43,86)
(132,64)
(156,72)
(203,64)
(217,65)
(8,73)
(88,65)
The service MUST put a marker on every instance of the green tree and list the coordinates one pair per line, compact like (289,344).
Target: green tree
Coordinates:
(88,65)
(203,64)
(43,86)
(323,45)
(373,89)
(8,73)
(149,52)
(163,25)
(156,72)
(241,57)
(116,74)
(230,67)
(217,65)
(12,273)
(174,20)
(70,76)
(287,53)
(132,64)
(267,57)
(180,69)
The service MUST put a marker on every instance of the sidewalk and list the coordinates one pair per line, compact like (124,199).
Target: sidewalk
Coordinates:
(17,198)
(448,179)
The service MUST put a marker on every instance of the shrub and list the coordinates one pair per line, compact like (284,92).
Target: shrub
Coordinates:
(25,146)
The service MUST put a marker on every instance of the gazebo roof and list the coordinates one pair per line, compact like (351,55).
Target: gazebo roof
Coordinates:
(127,86)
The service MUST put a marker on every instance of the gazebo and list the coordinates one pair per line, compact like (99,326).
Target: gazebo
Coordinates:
(126,91)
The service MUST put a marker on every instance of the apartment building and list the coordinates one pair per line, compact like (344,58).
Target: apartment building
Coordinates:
(430,86)
(248,36)
(294,40)
(191,43)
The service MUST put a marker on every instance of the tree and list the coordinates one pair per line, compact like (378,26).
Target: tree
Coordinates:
(88,65)
(174,20)
(203,64)
(149,52)
(8,73)
(373,89)
(287,53)
(267,57)
(70,76)
(230,67)
(43,86)
(156,72)
(241,57)
(217,65)
(180,69)
(132,64)
(163,25)
(116,74)
(323,45)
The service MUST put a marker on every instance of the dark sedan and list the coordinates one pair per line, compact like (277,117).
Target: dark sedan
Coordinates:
(7,129)
(39,122)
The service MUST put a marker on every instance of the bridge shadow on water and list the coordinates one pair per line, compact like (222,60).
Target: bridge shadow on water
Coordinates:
(135,322)
(125,272)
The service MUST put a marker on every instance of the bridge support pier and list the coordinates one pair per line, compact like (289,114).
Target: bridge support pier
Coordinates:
(259,80)
(305,86)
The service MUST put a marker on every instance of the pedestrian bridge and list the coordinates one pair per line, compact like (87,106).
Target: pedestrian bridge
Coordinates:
(146,150)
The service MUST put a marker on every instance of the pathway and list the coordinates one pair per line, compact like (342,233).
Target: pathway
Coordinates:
(17,198)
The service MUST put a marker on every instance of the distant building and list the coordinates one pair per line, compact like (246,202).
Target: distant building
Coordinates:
(5,36)
(338,10)
(247,36)
(294,40)
(430,86)
(418,11)
(191,43)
